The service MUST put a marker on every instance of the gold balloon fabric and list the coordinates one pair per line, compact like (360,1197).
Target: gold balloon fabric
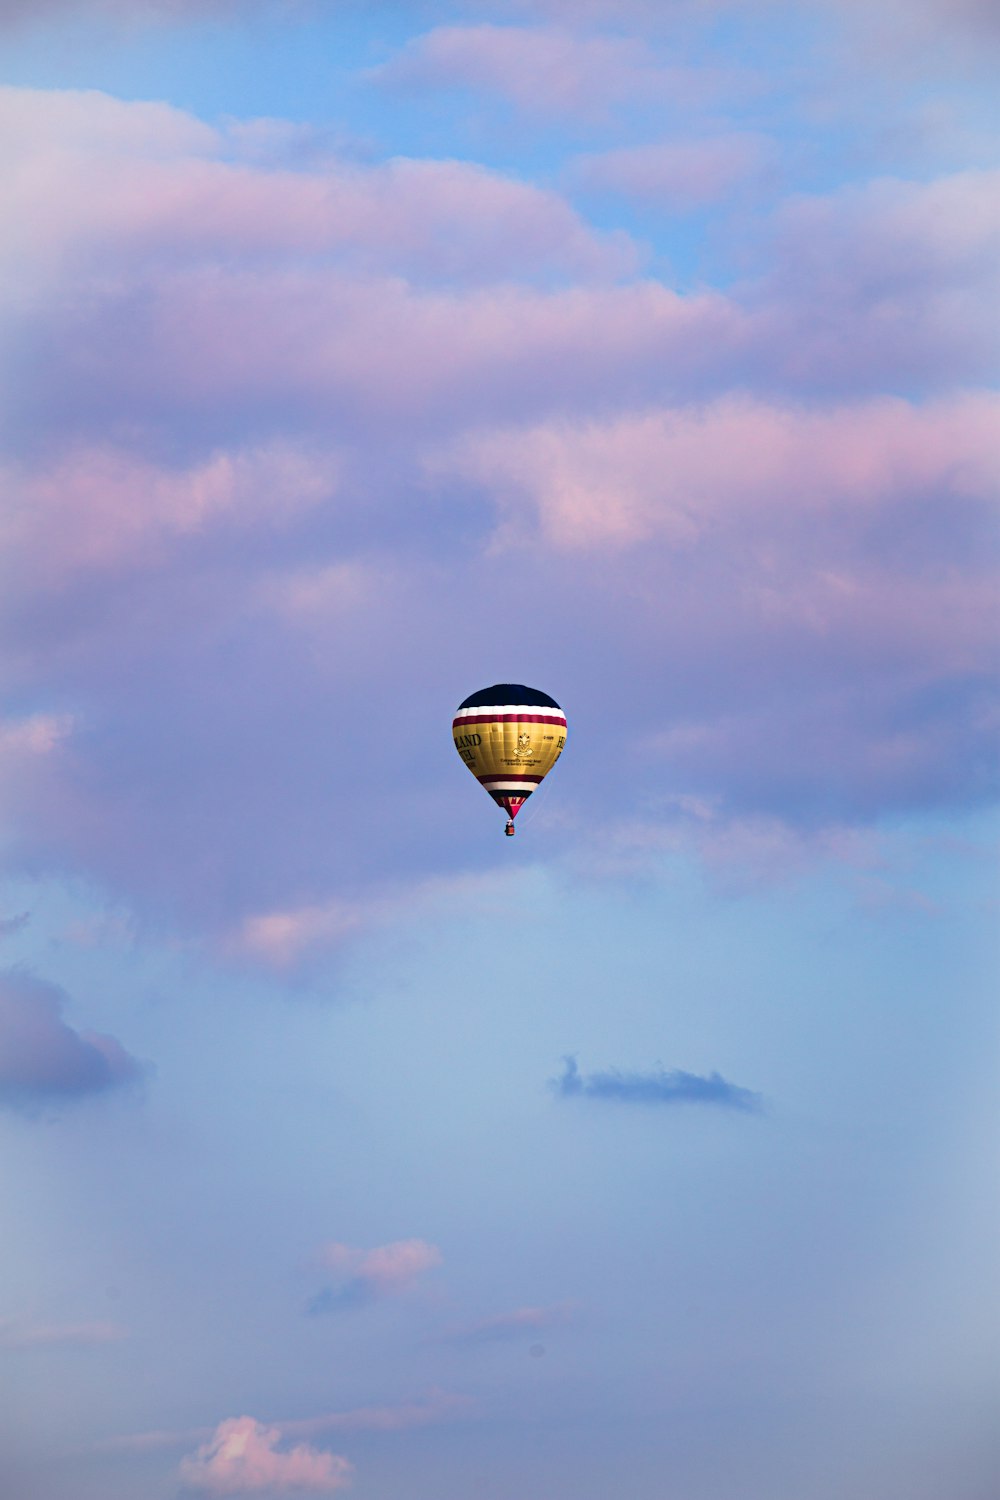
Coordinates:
(510,736)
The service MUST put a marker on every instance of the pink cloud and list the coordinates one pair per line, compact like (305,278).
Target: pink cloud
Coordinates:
(541,70)
(888,281)
(276,432)
(815,590)
(41,123)
(36,756)
(359,352)
(896,749)
(242,1457)
(36,736)
(800,585)
(282,939)
(871,286)
(93,181)
(682,473)
(738,852)
(98,509)
(393,1267)
(676,174)
(950,226)
(385,1270)
(899,36)
(42,1058)
(332,299)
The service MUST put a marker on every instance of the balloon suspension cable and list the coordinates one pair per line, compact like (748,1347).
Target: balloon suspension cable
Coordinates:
(533,805)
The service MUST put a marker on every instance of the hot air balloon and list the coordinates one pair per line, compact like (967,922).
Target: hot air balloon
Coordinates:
(510,736)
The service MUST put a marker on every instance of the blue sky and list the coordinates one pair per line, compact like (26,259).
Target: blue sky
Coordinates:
(364,356)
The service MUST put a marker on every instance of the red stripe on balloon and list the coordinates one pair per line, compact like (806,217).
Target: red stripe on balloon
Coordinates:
(489,781)
(508,719)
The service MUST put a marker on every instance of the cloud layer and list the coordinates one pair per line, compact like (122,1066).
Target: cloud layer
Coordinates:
(641,350)
(294,430)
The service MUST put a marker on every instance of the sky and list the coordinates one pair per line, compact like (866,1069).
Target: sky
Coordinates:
(359,356)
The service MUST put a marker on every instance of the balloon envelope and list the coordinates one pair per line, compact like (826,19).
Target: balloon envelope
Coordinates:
(510,736)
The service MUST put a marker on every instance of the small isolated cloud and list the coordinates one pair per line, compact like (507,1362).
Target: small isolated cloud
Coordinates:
(510,1325)
(17,1334)
(437,1406)
(9,925)
(35,736)
(242,1457)
(363,1276)
(42,1059)
(656,1087)
(280,938)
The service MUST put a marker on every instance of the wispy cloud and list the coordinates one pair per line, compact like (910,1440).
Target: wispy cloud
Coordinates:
(399,1416)
(281,939)
(655,1087)
(504,1327)
(21,1334)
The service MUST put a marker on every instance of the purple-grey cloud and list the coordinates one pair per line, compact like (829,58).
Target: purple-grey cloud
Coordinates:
(655,1087)
(885,282)
(269,448)
(899,36)
(43,1060)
